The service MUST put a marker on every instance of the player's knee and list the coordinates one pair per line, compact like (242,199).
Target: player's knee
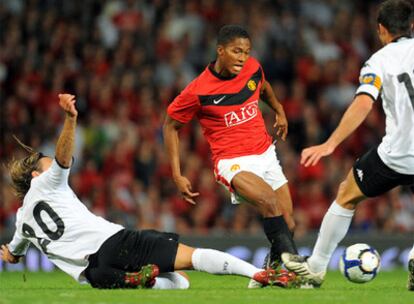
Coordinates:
(267,203)
(183,259)
(346,198)
(342,193)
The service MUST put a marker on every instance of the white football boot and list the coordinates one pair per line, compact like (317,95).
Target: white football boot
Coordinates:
(299,265)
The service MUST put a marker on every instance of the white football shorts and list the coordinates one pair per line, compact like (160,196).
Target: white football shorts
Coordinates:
(265,165)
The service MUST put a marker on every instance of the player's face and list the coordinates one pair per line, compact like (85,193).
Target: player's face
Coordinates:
(234,54)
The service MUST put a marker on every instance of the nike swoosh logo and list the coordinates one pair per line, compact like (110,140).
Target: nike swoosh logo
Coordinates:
(217,101)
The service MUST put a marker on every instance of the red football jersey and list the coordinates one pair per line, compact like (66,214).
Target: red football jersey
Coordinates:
(227,109)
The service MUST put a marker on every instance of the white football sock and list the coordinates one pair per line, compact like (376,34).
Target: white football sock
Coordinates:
(334,227)
(217,262)
(171,280)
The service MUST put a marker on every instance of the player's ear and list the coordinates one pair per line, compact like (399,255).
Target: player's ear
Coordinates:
(220,50)
(382,33)
(381,29)
(35,173)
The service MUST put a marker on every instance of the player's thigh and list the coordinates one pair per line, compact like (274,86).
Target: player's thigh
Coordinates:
(253,188)
(273,175)
(183,259)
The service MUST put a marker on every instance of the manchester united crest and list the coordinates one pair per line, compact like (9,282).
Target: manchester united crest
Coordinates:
(235,168)
(251,85)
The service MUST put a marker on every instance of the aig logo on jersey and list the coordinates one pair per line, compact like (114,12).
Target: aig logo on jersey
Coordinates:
(242,115)
(251,84)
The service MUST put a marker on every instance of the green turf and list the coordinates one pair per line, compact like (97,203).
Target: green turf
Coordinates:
(56,287)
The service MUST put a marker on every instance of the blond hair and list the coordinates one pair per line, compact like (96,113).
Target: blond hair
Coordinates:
(21,170)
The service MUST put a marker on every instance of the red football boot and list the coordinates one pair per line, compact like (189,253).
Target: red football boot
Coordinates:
(281,278)
(145,278)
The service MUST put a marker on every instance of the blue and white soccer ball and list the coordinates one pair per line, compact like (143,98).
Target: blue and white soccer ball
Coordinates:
(360,263)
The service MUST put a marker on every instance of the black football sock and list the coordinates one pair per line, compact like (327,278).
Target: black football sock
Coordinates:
(279,236)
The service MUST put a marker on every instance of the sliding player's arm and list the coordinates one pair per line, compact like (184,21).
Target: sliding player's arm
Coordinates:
(66,142)
(7,256)
(352,119)
(281,123)
(11,253)
(58,173)
(172,143)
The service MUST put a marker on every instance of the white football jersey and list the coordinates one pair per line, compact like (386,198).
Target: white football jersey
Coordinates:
(56,222)
(390,72)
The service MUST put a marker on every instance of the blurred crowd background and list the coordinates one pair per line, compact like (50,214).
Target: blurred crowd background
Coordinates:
(126,60)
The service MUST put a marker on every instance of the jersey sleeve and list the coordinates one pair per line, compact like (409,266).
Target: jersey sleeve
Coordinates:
(19,245)
(184,106)
(370,79)
(54,177)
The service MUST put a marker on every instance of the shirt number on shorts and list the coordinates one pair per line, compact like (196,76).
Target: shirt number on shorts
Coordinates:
(405,78)
(53,235)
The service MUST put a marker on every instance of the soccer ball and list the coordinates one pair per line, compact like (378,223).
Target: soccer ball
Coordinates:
(360,263)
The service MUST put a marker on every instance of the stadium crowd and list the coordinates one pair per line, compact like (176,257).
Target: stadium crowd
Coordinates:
(126,60)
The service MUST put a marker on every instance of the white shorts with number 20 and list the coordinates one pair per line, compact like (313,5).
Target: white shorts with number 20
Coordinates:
(265,165)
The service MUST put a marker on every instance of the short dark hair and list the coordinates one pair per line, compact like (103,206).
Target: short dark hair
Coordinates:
(396,16)
(230,32)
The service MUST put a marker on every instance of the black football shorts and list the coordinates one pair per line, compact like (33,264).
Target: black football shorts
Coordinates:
(375,178)
(129,250)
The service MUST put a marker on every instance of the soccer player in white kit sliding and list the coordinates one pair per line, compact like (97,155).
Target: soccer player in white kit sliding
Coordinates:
(93,250)
(389,73)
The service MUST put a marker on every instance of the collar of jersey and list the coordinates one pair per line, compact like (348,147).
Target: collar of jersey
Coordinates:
(402,37)
(211,69)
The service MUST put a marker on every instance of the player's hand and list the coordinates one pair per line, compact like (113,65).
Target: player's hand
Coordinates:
(67,103)
(281,125)
(6,255)
(185,188)
(312,155)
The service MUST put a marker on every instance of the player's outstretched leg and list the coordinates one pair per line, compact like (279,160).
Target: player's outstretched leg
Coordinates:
(334,227)
(299,265)
(217,262)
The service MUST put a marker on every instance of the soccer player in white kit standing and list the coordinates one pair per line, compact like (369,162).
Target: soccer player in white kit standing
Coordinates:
(93,250)
(389,73)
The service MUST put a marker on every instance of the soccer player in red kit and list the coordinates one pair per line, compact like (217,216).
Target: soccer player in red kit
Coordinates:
(225,98)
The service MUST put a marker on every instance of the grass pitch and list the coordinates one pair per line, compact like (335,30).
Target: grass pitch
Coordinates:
(57,287)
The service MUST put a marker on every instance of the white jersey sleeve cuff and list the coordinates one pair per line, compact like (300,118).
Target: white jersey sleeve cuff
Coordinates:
(369,90)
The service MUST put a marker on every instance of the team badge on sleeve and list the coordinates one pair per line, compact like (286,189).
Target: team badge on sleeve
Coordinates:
(371,79)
